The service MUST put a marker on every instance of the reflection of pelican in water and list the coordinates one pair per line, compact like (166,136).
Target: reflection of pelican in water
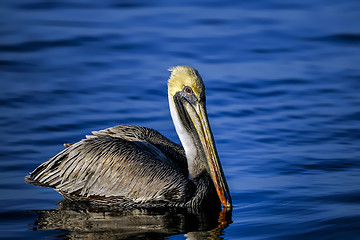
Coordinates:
(82,221)
(137,166)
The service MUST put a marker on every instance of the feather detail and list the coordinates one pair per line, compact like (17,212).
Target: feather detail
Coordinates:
(119,162)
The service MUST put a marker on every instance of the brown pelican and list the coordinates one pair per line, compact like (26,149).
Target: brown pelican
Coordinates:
(137,166)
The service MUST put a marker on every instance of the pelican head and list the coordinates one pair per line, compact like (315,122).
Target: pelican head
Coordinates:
(186,92)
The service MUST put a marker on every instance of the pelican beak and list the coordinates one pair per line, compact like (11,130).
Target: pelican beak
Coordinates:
(198,115)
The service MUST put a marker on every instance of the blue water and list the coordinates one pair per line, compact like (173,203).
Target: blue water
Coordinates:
(282,81)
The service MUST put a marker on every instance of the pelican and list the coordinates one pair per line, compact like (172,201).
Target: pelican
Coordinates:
(137,166)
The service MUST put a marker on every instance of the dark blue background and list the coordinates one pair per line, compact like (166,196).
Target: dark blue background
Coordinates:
(282,80)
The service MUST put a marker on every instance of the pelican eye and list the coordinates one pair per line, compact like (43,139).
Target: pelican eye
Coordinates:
(189,94)
(188,90)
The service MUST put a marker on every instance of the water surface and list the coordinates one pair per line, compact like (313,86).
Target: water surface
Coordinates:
(282,84)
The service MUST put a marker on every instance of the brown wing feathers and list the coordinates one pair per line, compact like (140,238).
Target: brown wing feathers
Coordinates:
(113,163)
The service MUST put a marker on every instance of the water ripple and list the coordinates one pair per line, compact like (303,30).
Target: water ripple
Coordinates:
(282,84)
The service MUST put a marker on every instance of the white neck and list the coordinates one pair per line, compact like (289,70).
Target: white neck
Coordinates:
(185,138)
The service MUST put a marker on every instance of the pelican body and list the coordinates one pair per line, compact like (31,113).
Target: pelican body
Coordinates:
(137,166)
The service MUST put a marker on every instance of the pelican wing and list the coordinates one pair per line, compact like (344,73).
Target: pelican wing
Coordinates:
(149,139)
(127,162)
